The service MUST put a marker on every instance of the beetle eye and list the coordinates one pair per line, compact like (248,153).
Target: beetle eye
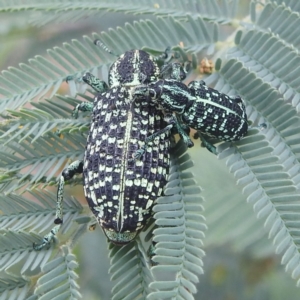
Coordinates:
(152,93)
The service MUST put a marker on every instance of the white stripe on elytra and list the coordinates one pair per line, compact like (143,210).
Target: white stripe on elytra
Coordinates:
(124,160)
(177,90)
(136,67)
(198,99)
(206,101)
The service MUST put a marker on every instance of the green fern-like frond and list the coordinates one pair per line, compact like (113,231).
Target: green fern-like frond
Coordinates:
(242,231)
(284,16)
(20,213)
(221,11)
(13,287)
(129,271)
(16,247)
(44,157)
(179,235)
(42,76)
(255,51)
(292,4)
(34,82)
(59,279)
(49,116)
(267,164)
(273,196)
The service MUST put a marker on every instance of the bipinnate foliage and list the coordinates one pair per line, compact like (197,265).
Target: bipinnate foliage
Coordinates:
(38,138)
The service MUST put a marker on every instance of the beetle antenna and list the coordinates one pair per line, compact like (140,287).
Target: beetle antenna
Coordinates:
(100,44)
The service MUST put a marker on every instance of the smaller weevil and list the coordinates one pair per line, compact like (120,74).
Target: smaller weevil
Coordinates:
(211,113)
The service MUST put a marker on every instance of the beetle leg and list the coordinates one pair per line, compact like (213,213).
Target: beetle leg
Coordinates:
(166,55)
(98,85)
(183,131)
(173,70)
(67,173)
(181,128)
(209,146)
(71,77)
(102,45)
(236,98)
(151,253)
(260,126)
(139,153)
(83,106)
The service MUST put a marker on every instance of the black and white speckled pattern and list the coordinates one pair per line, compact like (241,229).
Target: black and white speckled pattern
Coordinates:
(133,68)
(216,114)
(207,110)
(120,190)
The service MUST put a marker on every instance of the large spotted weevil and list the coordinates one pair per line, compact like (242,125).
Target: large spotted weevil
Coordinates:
(120,190)
(211,113)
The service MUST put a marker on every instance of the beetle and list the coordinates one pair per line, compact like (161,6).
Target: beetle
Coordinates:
(211,113)
(120,190)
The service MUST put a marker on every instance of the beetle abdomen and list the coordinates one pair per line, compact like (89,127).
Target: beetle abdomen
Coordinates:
(121,191)
(216,114)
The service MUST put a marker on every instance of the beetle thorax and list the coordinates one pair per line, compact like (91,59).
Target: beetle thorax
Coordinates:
(133,68)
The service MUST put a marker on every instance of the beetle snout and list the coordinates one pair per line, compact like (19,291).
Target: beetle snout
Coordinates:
(86,77)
